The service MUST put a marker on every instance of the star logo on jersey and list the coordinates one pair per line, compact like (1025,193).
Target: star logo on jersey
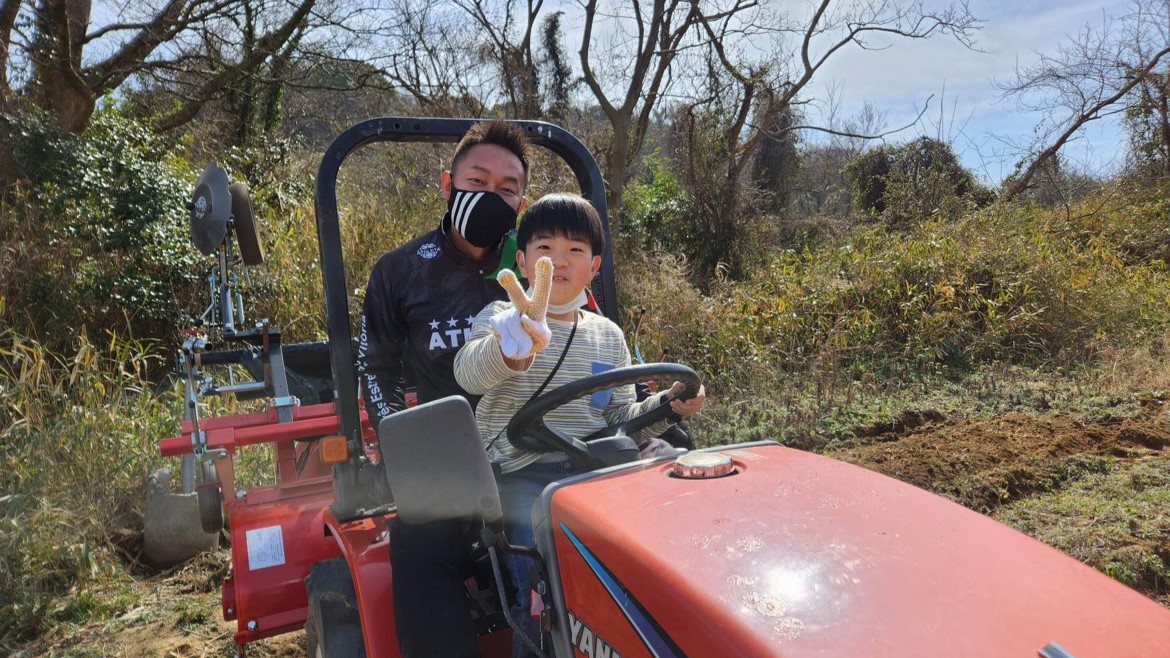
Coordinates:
(450,338)
(428,251)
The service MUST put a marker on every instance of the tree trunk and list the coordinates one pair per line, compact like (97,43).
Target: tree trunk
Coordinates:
(60,89)
(616,164)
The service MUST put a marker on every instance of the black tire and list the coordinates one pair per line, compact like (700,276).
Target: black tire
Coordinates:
(209,497)
(333,628)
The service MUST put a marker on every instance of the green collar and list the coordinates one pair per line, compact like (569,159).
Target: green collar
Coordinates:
(507,257)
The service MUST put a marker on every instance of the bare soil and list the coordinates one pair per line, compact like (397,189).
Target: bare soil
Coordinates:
(984,463)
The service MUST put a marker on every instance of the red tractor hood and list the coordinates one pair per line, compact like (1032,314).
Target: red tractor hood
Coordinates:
(800,555)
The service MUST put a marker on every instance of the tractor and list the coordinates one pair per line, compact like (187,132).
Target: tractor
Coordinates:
(742,550)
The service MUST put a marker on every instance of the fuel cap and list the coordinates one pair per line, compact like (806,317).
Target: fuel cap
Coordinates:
(702,465)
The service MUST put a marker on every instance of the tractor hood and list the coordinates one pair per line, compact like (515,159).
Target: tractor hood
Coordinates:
(800,555)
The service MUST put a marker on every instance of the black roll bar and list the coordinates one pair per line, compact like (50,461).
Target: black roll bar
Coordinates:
(406,129)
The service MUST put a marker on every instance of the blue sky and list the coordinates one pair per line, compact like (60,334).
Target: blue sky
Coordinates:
(899,80)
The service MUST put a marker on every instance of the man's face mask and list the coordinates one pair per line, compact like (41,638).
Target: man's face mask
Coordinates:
(483,218)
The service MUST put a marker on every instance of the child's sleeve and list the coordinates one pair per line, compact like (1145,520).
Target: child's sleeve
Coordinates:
(479,364)
(623,403)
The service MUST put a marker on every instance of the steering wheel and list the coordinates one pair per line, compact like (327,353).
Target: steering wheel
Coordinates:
(527,429)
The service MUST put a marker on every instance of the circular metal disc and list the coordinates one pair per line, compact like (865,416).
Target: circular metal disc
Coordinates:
(210,208)
(245,223)
(702,465)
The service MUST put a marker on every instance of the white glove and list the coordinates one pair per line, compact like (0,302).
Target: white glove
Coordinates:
(520,336)
(523,329)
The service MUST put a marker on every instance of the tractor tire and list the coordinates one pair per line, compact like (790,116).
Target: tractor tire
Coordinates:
(333,628)
(210,498)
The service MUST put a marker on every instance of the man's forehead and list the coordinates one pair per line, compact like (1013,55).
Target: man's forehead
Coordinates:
(491,158)
(484,169)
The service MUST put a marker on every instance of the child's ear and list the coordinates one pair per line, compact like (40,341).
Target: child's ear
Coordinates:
(520,263)
(596,264)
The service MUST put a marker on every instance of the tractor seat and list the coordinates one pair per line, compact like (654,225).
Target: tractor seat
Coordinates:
(438,470)
(436,464)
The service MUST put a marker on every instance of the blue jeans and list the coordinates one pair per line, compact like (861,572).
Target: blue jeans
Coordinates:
(519,492)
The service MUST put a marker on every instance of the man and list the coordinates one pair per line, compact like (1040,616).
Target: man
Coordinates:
(419,306)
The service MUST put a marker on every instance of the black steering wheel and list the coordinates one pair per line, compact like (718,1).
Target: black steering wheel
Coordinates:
(527,429)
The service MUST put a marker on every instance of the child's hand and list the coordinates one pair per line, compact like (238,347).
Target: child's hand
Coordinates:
(685,408)
(519,336)
(522,329)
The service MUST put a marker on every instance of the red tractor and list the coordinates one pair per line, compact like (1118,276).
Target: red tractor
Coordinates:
(744,550)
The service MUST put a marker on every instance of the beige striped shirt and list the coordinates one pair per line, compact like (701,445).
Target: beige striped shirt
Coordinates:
(598,345)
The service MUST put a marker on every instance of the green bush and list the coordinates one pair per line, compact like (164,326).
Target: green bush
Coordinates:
(102,221)
(1001,285)
(915,181)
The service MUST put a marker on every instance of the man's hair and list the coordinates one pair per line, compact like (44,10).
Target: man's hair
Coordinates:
(504,134)
(562,215)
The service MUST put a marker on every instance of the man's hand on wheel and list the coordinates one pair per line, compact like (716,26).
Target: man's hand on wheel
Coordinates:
(689,407)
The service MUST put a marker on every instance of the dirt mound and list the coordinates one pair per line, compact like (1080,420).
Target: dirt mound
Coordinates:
(986,462)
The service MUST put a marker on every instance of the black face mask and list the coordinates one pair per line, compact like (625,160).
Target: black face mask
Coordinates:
(483,218)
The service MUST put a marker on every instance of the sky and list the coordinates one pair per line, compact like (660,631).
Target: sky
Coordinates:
(899,80)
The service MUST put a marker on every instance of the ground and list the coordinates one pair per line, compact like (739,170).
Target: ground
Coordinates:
(1098,490)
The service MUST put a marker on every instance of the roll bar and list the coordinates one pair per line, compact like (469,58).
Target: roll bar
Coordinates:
(406,129)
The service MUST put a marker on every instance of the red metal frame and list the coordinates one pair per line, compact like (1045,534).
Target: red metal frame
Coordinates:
(271,600)
(287,518)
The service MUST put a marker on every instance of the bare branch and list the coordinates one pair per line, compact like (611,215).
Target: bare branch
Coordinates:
(264,48)
(1093,112)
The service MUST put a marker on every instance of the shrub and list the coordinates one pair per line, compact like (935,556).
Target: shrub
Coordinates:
(102,226)
(76,441)
(912,182)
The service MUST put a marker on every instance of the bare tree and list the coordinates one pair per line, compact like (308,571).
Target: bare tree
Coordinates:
(782,82)
(821,188)
(495,23)
(1092,76)
(644,46)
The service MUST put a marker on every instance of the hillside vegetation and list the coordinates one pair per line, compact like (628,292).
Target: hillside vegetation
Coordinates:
(1011,357)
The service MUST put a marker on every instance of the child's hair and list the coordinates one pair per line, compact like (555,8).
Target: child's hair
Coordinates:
(564,215)
(504,134)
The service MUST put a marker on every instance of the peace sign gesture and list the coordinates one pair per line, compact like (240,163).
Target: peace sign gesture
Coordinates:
(522,329)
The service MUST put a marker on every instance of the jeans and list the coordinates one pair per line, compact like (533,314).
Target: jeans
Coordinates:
(519,492)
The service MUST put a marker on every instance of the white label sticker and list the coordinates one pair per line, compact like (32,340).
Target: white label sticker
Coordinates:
(265,547)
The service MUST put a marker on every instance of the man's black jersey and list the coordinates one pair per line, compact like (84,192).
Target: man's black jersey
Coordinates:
(419,305)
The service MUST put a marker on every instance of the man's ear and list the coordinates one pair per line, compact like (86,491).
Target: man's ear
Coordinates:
(523,202)
(445,184)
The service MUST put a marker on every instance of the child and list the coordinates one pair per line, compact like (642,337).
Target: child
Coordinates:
(512,351)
